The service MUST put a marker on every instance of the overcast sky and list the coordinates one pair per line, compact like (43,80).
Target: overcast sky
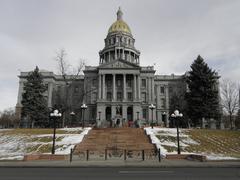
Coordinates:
(169,34)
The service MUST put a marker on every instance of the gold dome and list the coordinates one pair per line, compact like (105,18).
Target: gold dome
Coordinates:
(119,25)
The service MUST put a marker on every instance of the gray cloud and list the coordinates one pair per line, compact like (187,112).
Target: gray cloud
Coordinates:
(168,33)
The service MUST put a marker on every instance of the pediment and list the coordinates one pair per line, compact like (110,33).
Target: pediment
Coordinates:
(119,64)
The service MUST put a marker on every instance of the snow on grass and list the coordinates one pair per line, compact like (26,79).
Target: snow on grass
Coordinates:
(215,144)
(165,139)
(220,157)
(14,144)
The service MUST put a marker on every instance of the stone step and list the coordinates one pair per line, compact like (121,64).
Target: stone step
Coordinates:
(99,139)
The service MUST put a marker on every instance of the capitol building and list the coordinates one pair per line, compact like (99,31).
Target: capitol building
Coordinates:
(118,89)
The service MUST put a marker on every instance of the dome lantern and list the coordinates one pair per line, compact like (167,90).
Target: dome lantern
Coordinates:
(119,14)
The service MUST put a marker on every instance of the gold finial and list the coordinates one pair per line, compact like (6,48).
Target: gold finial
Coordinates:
(119,14)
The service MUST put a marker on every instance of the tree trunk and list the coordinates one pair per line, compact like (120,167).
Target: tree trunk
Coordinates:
(230,119)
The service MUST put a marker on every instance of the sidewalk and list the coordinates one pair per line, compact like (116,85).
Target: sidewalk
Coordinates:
(118,163)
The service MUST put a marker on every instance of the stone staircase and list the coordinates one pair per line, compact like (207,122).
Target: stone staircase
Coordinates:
(129,139)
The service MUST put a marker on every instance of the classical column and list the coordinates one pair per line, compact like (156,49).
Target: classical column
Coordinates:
(103,87)
(109,56)
(167,104)
(139,87)
(50,89)
(124,86)
(152,79)
(124,113)
(115,55)
(114,87)
(149,89)
(167,97)
(99,86)
(20,92)
(113,111)
(134,87)
(123,54)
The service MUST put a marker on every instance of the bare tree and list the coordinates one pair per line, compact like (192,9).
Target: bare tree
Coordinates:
(8,118)
(66,70)
(229,97)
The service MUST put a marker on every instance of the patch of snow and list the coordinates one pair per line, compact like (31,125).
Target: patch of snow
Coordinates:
(220,157)
(13,147)
(70,141)
(73,129)
(19,158)
(5,130)
(185,140)
(189,141)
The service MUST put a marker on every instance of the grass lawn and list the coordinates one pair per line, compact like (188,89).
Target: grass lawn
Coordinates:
(203,141)
(39,131)
(224,142)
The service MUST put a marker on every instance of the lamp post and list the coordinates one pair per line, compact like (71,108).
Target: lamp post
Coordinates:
(152,107)
(72,114)
(176,115)
(83,107)
(54,115)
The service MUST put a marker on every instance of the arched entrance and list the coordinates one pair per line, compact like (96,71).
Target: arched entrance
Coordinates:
(108,113)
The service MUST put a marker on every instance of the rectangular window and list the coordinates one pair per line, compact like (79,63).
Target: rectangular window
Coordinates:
(76,89)
(119,83)
(94,82)
(109,83)
(144,84)
(144,98)
(129,83)
(144,113)
(162,90)
(119,96)
(163,103)
(94,97)
(130,96)
(109,96)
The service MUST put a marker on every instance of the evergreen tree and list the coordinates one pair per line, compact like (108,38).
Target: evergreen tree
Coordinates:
(203,95)
(34,103)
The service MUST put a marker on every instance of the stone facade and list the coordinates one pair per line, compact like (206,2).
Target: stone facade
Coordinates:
(118,90)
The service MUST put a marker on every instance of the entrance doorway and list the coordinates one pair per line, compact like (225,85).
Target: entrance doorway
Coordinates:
(108,113)
(130,115)
(164,120)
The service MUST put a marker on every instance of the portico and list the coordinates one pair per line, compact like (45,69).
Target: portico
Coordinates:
(119,86)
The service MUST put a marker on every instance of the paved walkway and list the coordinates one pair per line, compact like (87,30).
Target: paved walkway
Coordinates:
(120,163)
